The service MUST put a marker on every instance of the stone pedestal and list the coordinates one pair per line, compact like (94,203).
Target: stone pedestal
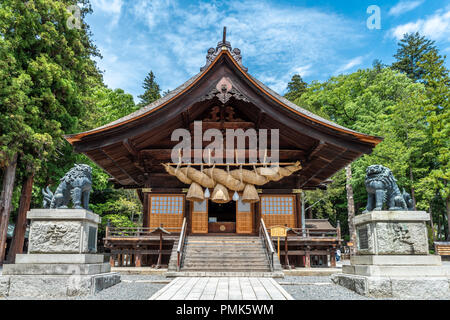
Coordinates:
(61,259)
(392,258)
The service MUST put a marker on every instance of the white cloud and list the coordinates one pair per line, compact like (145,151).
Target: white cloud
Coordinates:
(281,38)
(436,26)
(303,70)
(350,64)
(154,11)
(112,8)
(404,6)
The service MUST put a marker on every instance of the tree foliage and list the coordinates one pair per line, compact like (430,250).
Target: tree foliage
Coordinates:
(152,90)
(407,104)
(295,88)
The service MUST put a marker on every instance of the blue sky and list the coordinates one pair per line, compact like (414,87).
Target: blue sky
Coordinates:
(317,39)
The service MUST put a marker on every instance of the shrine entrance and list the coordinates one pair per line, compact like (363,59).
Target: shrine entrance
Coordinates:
(222,217)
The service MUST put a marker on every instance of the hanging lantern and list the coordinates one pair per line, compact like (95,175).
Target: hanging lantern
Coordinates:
(207,194)
(235,196)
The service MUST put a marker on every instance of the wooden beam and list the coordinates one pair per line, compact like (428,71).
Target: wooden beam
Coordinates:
(260,119)
(315,150)
(186,119)
(118,166)
(130,147)
(305,181)
(165,154)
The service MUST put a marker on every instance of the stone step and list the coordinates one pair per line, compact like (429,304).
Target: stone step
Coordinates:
(230,265)
(230,269)
(223,237)
(224,242)
(224,258)
(224,274)
(224,250)
(224,254)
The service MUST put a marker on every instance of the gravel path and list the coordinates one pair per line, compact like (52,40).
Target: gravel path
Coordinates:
(317,288)
(142,287)
(132,287)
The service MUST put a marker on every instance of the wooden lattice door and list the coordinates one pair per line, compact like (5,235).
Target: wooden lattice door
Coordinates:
(199,217)
(278,210)
(244,217)
(166,210)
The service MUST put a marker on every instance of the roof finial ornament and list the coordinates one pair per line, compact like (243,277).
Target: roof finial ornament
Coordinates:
(223,45)
(224,34)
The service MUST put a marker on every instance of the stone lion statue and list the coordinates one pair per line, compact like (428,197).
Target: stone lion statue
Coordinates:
(76,185)
(382,188)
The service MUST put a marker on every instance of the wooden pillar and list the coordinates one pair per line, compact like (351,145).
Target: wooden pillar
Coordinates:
(286,256)
(21,221)
(298,209)
(158,264)
(138,260)
(112,261)
(145,212)
(307,258)
(257,215)
(333,258)
(5,203)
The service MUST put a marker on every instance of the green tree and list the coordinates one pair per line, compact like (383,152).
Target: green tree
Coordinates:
(380,102)
(420,60)
(110,105)
(437,82)
(295,88)
(47,73)
(411,49)
(152,90)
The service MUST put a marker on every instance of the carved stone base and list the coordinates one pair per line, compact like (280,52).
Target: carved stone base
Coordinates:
(55,286)
(61,259)
(395,287)
(62,231)
(392,259)
(392,232)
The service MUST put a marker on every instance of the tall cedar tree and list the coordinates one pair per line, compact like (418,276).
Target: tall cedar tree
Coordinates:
(376,101)
(295,88)
(152,90)
(419,59)
(411,49)
(46,73)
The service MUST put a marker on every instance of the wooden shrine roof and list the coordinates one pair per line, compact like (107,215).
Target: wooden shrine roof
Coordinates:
(131,149)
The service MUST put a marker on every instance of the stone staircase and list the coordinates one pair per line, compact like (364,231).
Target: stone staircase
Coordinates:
(215,256)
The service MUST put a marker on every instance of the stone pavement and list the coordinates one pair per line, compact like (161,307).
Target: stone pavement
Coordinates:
(222,288)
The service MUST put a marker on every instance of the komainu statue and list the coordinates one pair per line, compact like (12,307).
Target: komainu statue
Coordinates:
(382,188)
(76,185)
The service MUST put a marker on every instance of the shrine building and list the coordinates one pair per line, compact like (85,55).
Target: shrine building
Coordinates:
(194,203)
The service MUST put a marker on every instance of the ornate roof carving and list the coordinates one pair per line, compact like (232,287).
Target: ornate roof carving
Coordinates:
(223,45)
(224,90)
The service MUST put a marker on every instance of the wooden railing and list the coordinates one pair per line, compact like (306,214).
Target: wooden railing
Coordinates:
(180,247)
(267,243)
(134,232)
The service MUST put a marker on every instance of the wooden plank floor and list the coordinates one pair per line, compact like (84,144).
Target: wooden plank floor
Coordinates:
(222,288)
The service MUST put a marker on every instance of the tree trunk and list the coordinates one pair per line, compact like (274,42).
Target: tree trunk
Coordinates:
(439,227)
(432,223)
(350,207)
(413,194)
(447,204)
(5,203)
(21,221)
